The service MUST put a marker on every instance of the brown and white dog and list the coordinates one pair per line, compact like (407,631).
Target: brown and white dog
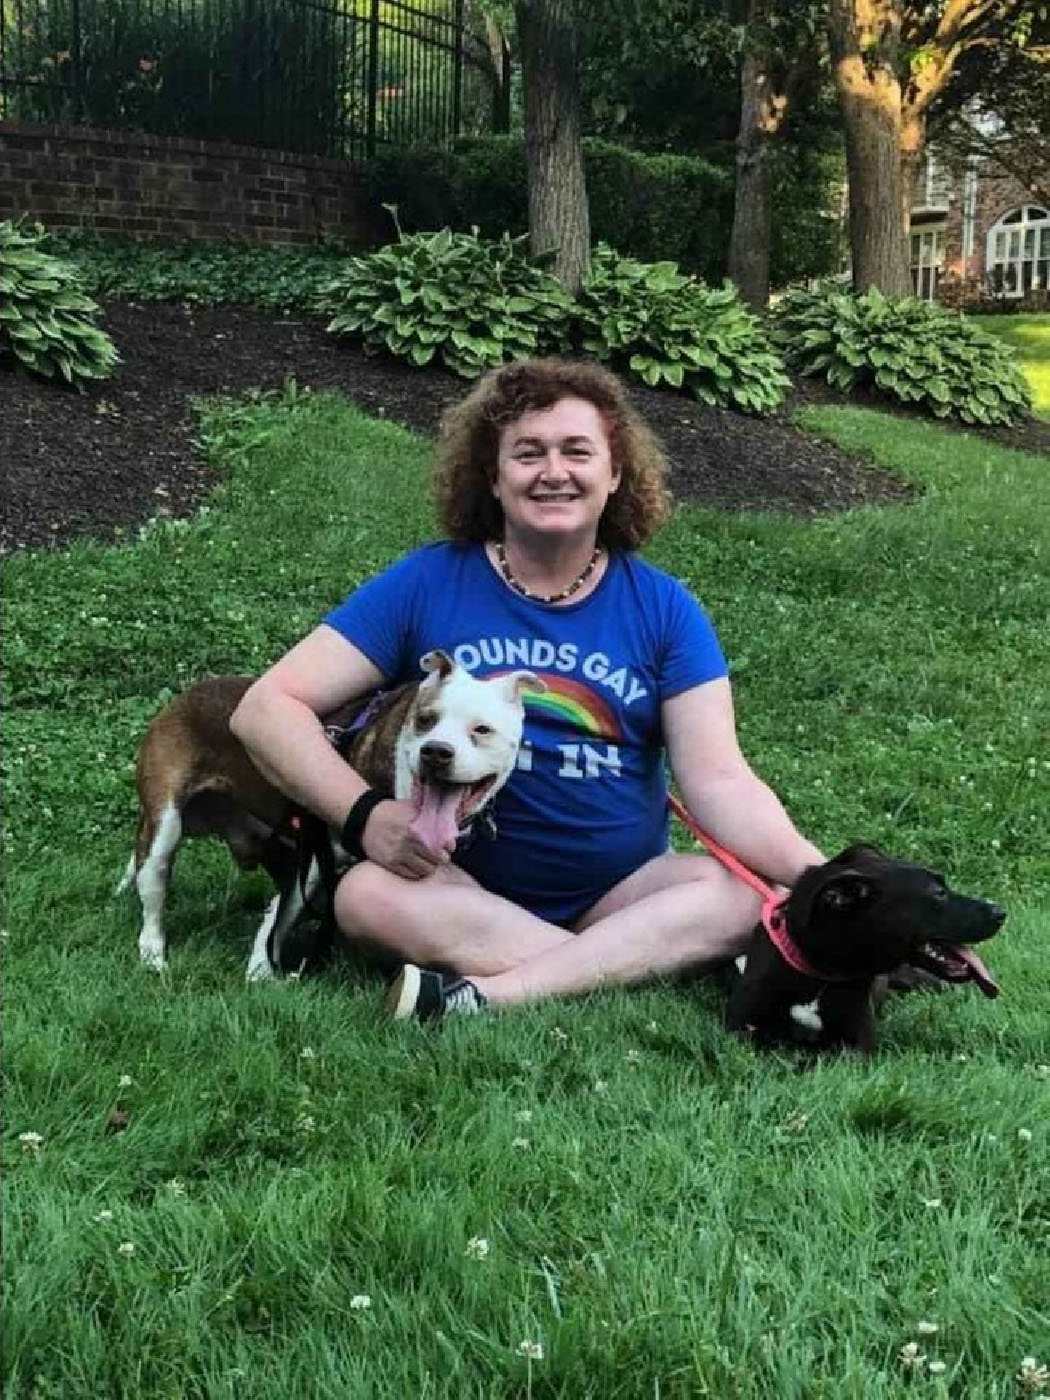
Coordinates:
(447,742)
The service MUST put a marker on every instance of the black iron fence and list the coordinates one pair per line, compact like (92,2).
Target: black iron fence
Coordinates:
(323,77)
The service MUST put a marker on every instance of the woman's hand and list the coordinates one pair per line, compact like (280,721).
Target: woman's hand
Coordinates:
(389,841)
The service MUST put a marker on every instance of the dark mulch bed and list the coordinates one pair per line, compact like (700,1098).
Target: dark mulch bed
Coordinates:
(78,465)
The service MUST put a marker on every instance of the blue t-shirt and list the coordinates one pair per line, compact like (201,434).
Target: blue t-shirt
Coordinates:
(587,803)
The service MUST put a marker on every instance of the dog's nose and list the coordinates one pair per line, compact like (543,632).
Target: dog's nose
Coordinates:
(437,755)
(997,914)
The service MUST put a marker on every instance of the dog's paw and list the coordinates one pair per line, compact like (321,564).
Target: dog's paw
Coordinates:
(906,978)
(151,956)
(259,969)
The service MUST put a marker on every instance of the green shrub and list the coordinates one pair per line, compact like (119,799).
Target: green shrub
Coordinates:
(46,321)
(469,302)
(908,349)
(668,328)
(647,206)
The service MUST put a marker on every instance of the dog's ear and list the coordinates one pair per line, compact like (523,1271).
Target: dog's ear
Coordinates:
(845,891)
(518,681)
(860,852)
(438,661)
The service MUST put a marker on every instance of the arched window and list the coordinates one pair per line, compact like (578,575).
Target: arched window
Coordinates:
(1019,251)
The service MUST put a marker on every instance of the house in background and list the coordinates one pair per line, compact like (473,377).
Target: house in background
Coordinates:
(977,235)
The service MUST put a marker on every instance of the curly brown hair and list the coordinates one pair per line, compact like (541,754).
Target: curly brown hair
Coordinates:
(468,444)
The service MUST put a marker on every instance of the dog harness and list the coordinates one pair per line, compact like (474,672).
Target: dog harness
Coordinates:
(774,910)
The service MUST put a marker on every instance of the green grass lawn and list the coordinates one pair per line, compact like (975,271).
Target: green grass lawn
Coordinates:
(1030,337)
(662,1211)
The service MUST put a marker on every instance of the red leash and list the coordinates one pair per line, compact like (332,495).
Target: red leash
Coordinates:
(774,919)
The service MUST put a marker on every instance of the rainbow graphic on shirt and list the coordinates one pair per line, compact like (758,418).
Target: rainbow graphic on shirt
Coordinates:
(573,703)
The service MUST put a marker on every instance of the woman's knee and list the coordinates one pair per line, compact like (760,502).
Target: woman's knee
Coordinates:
(364,899)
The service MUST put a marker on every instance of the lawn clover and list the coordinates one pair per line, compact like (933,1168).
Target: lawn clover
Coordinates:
(533,1350)
(308,1053)
(103,1217)
(126,1250)
(927,1329)
(1032,1376)
(937,1368)
(31,1142)
(795,1124)
(558,1034)
(1024,1134)
(634,1057)
(360,1301)
(175,1187)
(125,1081)
(932,1203)
(477,1248)
(522,1144)
(911,1358)
(523,1115)
(306,1123)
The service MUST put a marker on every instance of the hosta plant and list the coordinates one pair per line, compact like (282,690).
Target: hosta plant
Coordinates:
(666,327)
(454,298)
(907,349)
(46,322)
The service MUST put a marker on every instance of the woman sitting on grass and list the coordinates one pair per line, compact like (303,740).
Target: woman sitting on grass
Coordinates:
(547,483)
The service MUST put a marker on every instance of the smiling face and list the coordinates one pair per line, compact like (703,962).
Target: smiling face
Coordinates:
(554,471)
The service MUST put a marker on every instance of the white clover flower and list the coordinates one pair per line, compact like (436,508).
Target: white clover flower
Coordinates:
(360,1301)
(937,1368)
(175,1187)
(1033,1376)
(477,1248)
(911,1358)
(126,1250)
(533,1350)
(308,1053)
(600,1086)
(522,1144)
(125,1081)
(1024,1134)
(634,1057)
(932,1202)
(31,1142)
(306,1123)
(927,1329)
(103,1217)
(523,1115)
(558,1034)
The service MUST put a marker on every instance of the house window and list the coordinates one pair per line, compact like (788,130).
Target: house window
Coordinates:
(1019,251)
(927,261)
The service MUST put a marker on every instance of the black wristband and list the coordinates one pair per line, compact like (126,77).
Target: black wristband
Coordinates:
(353,828)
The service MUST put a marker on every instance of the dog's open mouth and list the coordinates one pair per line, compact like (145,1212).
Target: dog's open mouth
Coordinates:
(955,963)
(444,809)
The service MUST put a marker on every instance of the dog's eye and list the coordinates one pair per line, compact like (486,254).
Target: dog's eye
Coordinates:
(481,731)
(425,721)
(941,894)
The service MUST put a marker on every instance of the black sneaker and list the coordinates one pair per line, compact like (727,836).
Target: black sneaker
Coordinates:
(428,996)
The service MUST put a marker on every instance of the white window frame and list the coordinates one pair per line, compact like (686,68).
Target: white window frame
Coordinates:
(1020,237)
(926,260)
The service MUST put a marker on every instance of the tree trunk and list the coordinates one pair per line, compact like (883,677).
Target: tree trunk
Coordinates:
(749,245)
(559,220)
(865,39)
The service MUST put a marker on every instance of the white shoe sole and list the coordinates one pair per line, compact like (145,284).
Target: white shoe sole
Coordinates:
(404,993)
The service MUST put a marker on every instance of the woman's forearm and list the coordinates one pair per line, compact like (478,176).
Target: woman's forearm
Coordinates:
(748,818)
(286,742)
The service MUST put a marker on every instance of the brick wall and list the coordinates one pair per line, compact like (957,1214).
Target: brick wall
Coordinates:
(963,283)
(128,182)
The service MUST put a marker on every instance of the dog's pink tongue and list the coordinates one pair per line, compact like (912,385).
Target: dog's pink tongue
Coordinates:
(435,824)
(978,972)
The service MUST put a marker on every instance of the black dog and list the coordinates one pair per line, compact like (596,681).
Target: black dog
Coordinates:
(847,923)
